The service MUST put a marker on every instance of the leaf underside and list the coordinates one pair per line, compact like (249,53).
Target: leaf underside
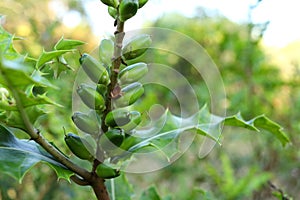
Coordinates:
(18,156)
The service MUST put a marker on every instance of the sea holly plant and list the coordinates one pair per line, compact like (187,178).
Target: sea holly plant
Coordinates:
(111,129)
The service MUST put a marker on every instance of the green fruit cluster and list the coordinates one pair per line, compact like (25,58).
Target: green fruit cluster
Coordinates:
(124,10)
(119,120)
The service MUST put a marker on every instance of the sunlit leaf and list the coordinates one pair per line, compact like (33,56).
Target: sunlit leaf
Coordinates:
(6,44)
(17,156)
(67,44)
(49,56)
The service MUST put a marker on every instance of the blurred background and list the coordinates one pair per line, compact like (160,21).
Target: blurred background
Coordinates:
(256,46)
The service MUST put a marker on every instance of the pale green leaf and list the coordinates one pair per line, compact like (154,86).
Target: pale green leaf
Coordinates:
(67,44)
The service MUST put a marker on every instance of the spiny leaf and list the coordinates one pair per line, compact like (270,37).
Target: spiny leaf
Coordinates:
(6,44)
(17,74)
(18,156)
(14,119)
(67,44)
(167,130)
(49,56)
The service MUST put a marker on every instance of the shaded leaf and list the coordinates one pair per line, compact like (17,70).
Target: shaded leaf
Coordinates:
(67,44)
(16,74)
(150,194)
(14,119)
(120,188)
(18,156)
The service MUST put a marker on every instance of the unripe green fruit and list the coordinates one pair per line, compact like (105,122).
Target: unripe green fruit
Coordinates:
(136,46)
(101,89)
(106,172)
(91,97)
(113,3)
(129,94)
(86,123)
(77,146)
(142,3)
(117,117)
(127,9)
(135,120)
(112,139)
(113,12)
(106,51)
(133,73)
(94,69)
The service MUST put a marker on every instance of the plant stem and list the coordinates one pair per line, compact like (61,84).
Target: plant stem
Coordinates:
(98,185)
(117,61)
(99,188)
(34,135)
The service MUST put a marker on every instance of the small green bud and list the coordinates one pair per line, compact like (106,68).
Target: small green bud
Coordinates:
(113,3)
(129,94)
(78,146)
(142,3)
(133,73)
(101,89)
(136,47)
(86,123)
(91,97)
(135,120)
(94,69)
(106,172)
(106,51)
(113,12)
(127,9)
(117,117)
(112,139)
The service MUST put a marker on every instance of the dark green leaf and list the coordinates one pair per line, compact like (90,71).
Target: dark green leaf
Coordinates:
(18,156)
(67,44)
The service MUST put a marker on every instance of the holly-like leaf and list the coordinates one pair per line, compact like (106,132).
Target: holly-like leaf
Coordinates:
(6,44)
(14,119)
(203,123)
(15,73)
(150,194)
(18,156)
(49,56)
(67,44)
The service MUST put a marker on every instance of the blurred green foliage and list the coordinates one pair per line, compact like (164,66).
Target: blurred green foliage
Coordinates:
(254,85)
